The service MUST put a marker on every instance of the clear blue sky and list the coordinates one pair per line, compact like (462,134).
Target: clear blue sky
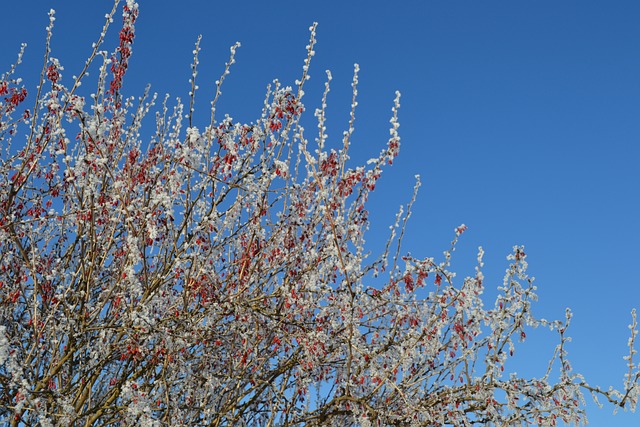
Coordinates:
(522,117)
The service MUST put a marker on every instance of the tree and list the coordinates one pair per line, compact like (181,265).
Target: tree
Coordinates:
(219,276)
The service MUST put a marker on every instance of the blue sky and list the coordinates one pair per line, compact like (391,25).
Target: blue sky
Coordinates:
(521,117)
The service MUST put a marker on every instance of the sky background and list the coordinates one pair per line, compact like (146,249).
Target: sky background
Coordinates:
(521,118)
